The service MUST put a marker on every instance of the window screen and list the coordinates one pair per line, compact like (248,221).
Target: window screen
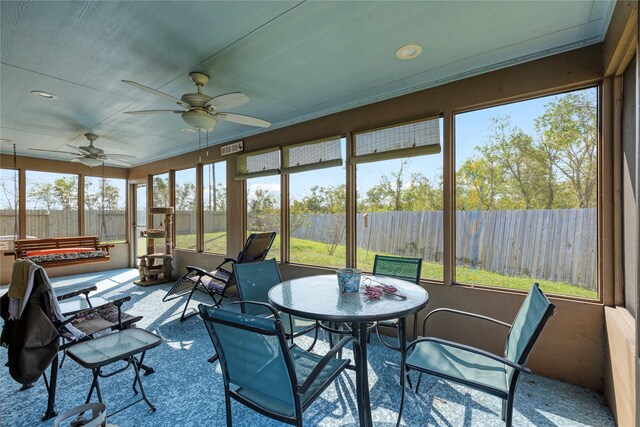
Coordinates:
(259,163)
(318,154)
(406,140)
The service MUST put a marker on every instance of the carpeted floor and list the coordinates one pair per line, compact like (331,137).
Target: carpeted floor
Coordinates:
(188,391)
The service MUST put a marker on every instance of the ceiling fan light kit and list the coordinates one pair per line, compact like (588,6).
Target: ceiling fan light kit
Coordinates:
(89,161)
(200,119)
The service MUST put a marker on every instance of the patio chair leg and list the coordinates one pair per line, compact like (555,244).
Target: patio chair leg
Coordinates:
(186,305)
(51,401)
(418,383)
(509,409)
(227,405)
(504,409)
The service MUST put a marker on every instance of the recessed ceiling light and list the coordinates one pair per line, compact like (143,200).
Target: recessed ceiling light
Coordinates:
(409,51)
(44,94)
(188,130)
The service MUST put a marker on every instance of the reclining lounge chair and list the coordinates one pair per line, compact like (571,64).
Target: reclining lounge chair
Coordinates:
(218,281)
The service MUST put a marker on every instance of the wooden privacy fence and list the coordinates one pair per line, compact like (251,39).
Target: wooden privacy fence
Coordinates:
(45,224)
(185,221)
(557,245)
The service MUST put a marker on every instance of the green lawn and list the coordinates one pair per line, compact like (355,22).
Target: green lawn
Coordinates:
(316,253)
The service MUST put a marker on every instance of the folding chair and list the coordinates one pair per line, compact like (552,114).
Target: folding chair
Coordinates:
(33,314)
(215,283)
(259,369)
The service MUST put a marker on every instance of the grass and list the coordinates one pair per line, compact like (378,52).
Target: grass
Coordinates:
(316,253)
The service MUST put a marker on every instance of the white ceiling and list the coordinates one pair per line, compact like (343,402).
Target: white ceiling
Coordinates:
(295,60)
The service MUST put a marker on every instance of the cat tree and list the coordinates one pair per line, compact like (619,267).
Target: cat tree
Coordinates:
(156,267)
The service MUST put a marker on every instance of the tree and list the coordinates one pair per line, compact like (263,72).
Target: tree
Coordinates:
(106,192)
(61,194)
(160,192)
(8,189)
(186,197)
(322,200)
(521,162)
(478,184)
(421,194)
(387,195)
(262,211)
(568,130)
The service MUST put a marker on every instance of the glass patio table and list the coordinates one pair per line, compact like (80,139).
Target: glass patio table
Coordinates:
(319,298)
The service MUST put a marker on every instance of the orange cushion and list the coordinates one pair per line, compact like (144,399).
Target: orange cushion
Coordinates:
(59,251)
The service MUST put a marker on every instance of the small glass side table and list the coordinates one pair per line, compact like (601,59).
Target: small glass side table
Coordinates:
(123,345)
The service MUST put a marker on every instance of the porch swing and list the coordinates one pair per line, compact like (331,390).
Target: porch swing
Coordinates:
(60,251)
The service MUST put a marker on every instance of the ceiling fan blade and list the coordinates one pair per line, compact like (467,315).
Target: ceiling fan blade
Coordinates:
(228,100)
(243,120)
(54,151)
(109,159)
(157,93)
(119,156)
(154,111)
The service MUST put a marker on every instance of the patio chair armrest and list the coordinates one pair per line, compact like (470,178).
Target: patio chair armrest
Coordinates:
(321,365)
(463,313)
(117,303)
(194,269)
(264,304)
(84,292)
(470,349)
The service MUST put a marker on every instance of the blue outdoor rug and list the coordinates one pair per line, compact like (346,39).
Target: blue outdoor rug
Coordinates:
(188,391)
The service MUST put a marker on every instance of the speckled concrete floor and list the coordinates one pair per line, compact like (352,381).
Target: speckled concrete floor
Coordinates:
(188,391)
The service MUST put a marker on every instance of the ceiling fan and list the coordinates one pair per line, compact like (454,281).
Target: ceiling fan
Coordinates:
(203,111)
(92,156)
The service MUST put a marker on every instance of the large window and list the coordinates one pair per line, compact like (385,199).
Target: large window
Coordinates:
(399,195)
(263,208)
(262,171)
(317,192)
(160,192)
(214,199)
(52,205)
(526,194)
(185,208)
(8,203)
(105,214)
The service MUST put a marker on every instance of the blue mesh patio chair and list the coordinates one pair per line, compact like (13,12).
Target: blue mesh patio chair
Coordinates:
(254,281)
(477,368)
(260,371)
(408,269)
(217,282)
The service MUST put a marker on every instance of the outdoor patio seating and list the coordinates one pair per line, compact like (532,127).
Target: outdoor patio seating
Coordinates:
(37,326)
(401,268)
(217,282)
(477,368)
(254,282)
(269,377)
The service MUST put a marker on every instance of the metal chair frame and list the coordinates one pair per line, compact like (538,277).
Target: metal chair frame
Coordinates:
(221,278)
(298,390)
(518,365)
